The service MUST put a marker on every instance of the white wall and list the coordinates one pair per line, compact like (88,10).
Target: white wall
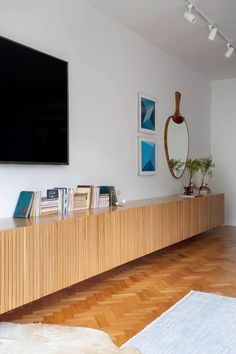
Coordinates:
(108,65)
(223,123)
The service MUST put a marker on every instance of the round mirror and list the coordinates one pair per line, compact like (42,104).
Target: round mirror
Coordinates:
(176,146)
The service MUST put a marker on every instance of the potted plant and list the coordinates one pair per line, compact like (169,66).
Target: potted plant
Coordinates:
(206,166)
(192,166)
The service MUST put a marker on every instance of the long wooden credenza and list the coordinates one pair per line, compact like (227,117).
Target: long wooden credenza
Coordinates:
(41,256)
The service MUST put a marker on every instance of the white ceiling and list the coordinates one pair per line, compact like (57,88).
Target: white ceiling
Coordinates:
(162,22)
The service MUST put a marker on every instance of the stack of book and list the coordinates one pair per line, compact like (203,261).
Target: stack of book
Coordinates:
(49,206)
(65,197)
(81,201)
(82,197)
(54,202)
(95,191)
(64,200)
(104,200)
(109,192)
(57,201)
(101,196)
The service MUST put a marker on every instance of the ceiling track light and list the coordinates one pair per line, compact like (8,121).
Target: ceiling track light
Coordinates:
(213,31)
(190,17)
(229,51)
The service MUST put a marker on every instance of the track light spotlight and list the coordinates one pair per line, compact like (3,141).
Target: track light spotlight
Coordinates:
(213,32)
(189,16)
(229,51)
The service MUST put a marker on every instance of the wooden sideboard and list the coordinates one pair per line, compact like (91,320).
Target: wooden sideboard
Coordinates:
(41,256)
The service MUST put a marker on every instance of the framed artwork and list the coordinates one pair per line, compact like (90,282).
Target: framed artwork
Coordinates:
(147,157)
(147,114)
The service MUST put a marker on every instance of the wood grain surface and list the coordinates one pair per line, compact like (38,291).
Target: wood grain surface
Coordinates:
(126,299)
(41,258)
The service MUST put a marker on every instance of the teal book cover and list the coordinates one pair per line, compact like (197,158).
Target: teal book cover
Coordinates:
(104,189)
(23,205)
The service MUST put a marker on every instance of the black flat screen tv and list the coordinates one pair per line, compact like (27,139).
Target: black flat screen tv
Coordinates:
(33,106)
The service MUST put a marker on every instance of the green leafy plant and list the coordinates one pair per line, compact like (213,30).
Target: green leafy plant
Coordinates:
(176,166)
(206,166)
(192,166)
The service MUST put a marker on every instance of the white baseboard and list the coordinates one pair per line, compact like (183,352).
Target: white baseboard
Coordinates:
(230,222)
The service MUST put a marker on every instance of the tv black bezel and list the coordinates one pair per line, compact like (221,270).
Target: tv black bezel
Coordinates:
(67,123)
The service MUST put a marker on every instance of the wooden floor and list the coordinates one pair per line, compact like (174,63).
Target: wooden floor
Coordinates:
(123,301)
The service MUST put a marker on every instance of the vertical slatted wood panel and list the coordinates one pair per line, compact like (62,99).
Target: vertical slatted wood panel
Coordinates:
(125,238)
(32,265)
(20,267)
(183,210)
(168,224)
(80,227)
(48,260)
(199,215)
(216,210)
(92,246)
(41,258)
(142,230)
(108,257)
(156,240)
(12,264)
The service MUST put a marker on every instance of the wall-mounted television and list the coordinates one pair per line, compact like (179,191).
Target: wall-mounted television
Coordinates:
(33,106)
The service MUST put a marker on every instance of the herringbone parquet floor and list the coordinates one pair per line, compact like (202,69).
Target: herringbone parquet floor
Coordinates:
(123,301)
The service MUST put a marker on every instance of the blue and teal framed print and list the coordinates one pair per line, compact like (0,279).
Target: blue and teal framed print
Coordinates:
(147,114)
(147,156)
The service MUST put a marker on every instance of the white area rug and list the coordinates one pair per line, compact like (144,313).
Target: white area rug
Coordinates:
(200,323)
(53,339)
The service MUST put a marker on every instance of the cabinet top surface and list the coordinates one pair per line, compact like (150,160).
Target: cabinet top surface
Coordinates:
(10,223)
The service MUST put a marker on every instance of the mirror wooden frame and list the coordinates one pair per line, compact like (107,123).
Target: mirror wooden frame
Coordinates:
(178,119)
